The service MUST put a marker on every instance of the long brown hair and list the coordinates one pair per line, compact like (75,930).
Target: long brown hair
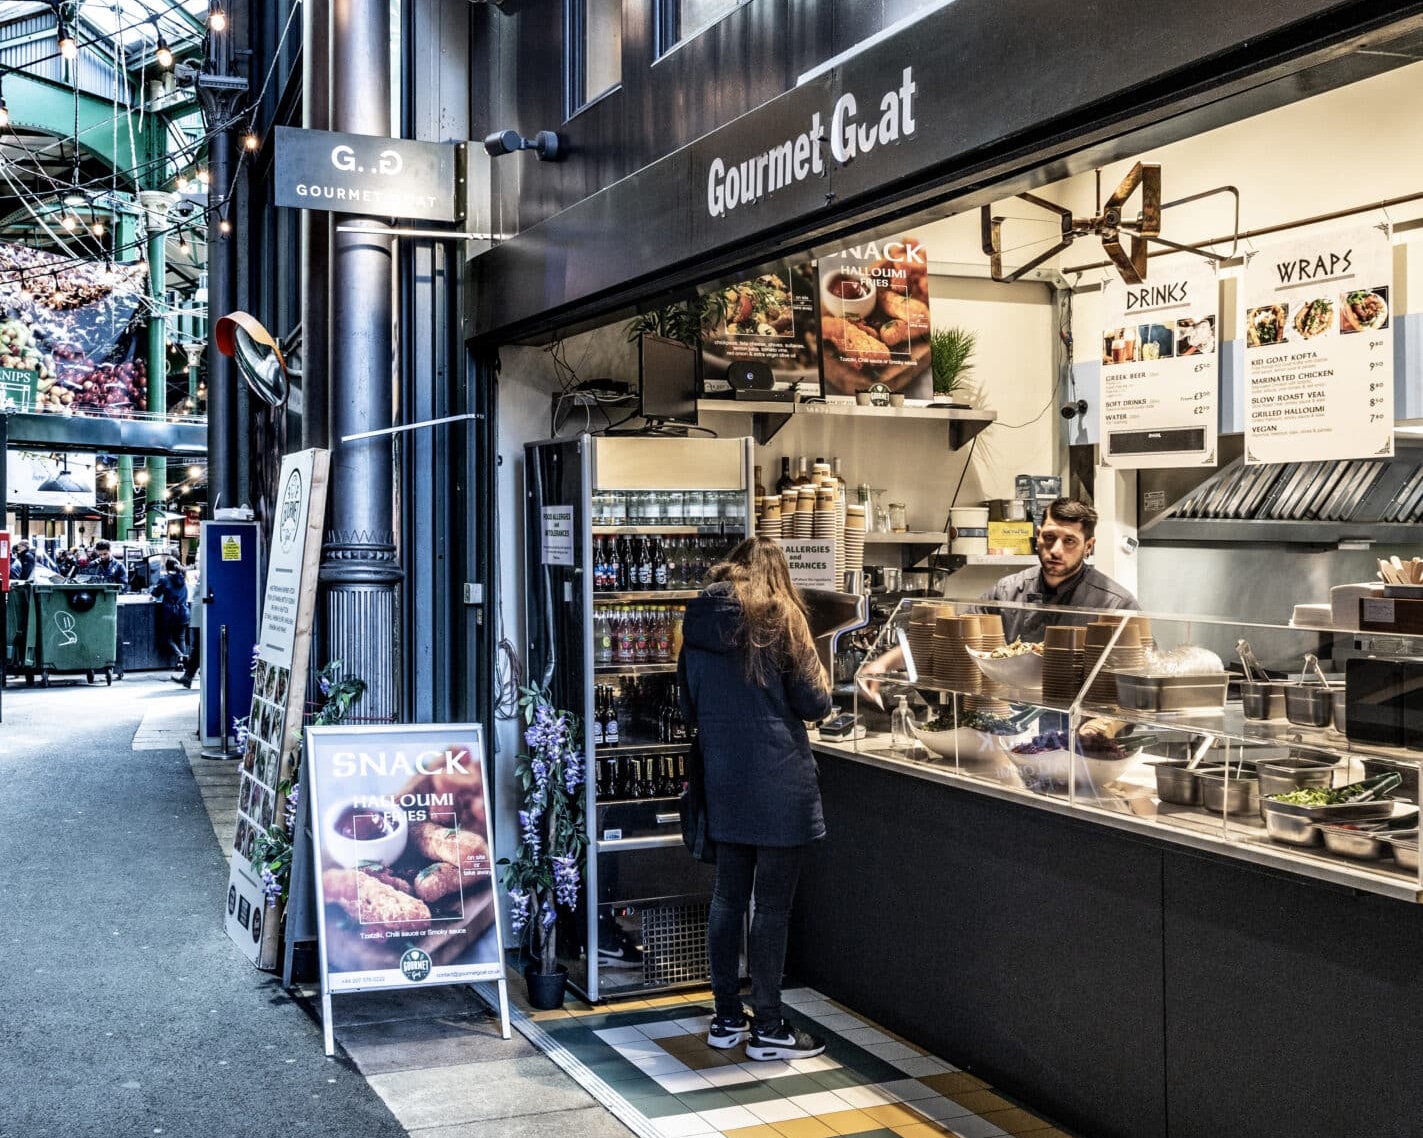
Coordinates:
(773,613)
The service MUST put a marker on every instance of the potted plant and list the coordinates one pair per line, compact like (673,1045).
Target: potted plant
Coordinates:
(950,350)
(545,873)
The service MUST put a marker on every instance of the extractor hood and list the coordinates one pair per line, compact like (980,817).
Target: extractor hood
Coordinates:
(1300,503)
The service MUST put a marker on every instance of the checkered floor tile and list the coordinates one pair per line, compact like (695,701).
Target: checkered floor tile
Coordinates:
(650,1062)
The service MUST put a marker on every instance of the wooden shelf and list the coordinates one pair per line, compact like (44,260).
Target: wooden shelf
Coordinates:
(913,537)
(769,417)
(1022,560)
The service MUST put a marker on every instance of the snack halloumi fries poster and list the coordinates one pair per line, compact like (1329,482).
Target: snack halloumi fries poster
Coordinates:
(1318,322)
(401,847)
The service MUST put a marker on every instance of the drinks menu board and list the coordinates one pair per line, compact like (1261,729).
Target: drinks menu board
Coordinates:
(1319,347)
(1160,369)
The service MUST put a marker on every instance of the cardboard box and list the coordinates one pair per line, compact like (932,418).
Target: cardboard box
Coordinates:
(1391,614)
(1010,537)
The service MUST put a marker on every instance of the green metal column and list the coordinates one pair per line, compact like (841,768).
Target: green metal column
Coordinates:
(125,240)
(156,205)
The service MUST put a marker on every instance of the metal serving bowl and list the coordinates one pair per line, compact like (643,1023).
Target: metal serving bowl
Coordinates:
(1237,794)
(1405,851)
(1175,782)
(1309,705)
(1280,776)
(1346,841)
(1292,829)
(1262,700)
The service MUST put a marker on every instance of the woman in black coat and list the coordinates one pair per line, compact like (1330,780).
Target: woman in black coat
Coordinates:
(750,678)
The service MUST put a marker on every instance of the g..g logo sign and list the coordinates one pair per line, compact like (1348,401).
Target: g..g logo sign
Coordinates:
(388,162)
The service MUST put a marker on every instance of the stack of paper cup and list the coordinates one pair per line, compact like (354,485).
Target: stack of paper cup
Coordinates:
(769,524)
(805,512)
(854,539)
(823,518)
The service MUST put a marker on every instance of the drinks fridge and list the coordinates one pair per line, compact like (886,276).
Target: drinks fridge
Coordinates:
(621,532)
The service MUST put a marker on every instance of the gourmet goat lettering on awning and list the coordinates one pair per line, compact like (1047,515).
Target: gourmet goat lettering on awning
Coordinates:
(741,182)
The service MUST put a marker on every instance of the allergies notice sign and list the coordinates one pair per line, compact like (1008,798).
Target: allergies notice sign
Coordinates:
(812,562)
(556,542)
(1319,347)
(1160,375)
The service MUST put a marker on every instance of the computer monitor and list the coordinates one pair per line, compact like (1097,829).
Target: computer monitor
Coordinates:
(668,380)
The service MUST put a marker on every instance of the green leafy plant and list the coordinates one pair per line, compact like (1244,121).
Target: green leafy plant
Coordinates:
(950,353)
(272,852)
(545,873)
(684,321)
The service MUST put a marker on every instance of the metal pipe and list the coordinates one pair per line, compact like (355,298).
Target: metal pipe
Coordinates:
(360,572)
(1266,230)
(157,354)
(222,371)
(222,711)
(316,237)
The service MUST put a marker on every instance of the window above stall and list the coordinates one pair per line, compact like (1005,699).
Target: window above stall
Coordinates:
(681,20)
(595,51)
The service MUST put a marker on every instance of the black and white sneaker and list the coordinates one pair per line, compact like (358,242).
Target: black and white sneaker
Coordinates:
(728,1031)
(783,1042)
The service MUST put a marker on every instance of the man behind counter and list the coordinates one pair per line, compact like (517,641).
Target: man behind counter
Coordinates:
(1063,577)
(105,568)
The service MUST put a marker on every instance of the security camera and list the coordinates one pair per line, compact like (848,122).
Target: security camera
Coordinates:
(545,145)
(1073,409)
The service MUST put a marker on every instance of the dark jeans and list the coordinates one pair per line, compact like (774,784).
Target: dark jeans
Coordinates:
(774,872)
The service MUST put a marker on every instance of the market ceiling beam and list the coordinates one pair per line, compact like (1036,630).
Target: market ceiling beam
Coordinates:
(110,436)
(39,104)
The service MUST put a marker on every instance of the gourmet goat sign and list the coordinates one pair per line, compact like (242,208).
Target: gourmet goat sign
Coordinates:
(854,129)
(361,174)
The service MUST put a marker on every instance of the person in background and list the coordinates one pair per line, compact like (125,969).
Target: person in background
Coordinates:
(66,564)
(22,560)
(749,679)
(104,568)
(174,613)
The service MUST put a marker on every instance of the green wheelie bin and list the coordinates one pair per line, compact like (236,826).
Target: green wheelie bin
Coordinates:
(20,630)
(77,629)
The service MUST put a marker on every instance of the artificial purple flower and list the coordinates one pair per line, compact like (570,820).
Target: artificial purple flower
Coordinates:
(272,887)
(256,656)
(529,830)
(290,810)
(565,881)
(240,732)
(547,914)
(324,686)
(518,911)
(572,771)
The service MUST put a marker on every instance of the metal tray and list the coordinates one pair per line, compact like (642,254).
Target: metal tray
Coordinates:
(1405,852)
(1343,812)
(1138,691)
(1362,845)
(1292,829)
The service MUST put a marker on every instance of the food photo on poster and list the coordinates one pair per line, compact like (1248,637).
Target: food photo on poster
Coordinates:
(75,325)
(874,318)
(402,846)
(768,319)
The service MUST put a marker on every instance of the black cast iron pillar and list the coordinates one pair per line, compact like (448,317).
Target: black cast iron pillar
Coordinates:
(220,94)
(316,237)
(360,571)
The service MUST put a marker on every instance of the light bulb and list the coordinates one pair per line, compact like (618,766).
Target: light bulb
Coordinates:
(69,222)
(164,54)
(183,246)
(217,18)
(141,478)
(224,226)
(204,177)
(194,471)
(251,141)
(98,228)
(67,47)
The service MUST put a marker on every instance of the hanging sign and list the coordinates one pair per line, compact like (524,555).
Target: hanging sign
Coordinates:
(18,388)
(769,320)
(557,541)
(874,319)
(1160,369)
(812,562)
(356,173)
(274,724)
(1319,347)
(401,851)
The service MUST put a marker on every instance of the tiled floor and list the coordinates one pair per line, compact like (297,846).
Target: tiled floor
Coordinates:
(650,1063)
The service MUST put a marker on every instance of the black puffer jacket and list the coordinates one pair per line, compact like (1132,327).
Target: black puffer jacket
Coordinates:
(762,786)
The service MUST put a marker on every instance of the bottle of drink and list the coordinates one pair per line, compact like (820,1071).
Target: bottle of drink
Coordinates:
(802,477)
(662,636)
(659,564)
(840,478)
(675,511)
(603,634)
(620,564)
(760,490)
(674,636)
(611,728)
(600,780)
(626,637)
(597,725)
(639,636)
(642,564)
(785,481)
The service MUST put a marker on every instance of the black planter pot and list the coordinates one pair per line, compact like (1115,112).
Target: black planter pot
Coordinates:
(545,991)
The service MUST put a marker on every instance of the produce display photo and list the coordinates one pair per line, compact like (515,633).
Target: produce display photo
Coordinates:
(403,857)
(75,325)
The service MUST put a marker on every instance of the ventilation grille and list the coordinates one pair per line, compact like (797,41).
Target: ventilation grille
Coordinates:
(674,944)
(1367,490)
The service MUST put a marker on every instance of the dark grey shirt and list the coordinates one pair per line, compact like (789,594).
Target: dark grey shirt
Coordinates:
(1090,589)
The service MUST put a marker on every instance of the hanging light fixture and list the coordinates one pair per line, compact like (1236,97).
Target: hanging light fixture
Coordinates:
(61,483)
(250,139)
(67,47)
(183,246)
(161,51)
(217,18)
(70,222)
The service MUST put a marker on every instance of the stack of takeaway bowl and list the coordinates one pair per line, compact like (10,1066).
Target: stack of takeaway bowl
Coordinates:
(920,633)
(1062,663)
(990,636)
(854,539)
(953,666)
(1127,655)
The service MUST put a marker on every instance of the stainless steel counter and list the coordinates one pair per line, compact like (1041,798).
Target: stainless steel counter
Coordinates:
(1132,807)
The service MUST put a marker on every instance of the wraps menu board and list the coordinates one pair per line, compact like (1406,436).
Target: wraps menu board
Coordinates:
(1160,369)
(401,841)
(1319,347)
(770,320)
(874,318)
(274,725)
